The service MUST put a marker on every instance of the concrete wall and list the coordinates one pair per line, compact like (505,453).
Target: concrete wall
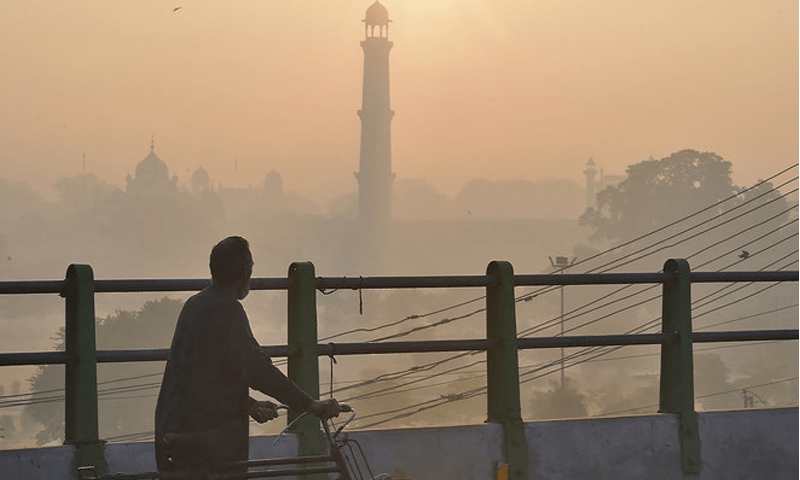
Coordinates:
(743,444)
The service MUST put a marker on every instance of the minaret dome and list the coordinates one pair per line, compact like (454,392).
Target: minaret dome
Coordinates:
(377,16)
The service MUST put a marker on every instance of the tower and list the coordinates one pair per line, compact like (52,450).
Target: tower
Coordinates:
(591,184)
(375,165)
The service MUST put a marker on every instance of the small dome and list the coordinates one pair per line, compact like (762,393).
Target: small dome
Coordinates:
(377,15)
(273,182)
(201,181)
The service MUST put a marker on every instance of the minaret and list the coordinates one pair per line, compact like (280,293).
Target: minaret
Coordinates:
(375,167)
(591,185)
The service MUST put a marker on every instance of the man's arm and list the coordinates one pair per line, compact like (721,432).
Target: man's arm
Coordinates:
(265,377)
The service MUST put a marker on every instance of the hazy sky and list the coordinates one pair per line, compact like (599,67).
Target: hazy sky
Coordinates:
(481,88)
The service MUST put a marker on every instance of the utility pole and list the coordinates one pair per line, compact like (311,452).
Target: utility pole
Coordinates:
(561,264)
(750,398)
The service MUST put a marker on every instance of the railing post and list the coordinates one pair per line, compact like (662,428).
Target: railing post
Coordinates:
(81,419)
(502,371)
(676,393)
(303,361)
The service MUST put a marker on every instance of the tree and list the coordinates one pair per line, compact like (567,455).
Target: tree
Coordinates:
(657,192)
(559,401)
(7,428)
(127,391)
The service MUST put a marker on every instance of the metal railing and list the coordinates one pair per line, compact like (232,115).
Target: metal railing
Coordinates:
(501,342)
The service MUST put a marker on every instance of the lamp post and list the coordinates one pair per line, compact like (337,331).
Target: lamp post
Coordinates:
(561,264)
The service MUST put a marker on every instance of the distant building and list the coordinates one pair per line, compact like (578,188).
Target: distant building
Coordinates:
(151,178)
(273,183)
(201,181)
(595,184)
(375,166)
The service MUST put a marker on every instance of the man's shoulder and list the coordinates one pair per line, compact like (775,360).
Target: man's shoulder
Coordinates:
(212,299)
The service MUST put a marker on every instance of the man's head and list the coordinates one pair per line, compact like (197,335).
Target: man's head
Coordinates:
(231,265)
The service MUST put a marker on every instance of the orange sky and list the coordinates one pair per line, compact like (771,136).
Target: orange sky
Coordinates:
(481,88)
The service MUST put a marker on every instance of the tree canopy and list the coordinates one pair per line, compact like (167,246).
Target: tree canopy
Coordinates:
(128,391)
(657,192)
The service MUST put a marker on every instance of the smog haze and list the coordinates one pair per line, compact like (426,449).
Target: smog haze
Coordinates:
(497,90)
(135,135)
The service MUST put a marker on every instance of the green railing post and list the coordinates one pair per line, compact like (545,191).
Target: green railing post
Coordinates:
(81,419)
(676,394)
(303,361)
(502,371)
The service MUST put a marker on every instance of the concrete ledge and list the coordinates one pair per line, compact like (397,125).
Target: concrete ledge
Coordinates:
(746,444)
(37,463)
(423,453)
(622,448)
(736,444)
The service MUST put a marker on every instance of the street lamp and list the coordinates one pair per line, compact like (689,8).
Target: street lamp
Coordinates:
(561,264)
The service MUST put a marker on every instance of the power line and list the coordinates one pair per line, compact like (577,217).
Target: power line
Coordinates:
(726,392)
(527,296)
(433,403)
(747,317)
(403,320)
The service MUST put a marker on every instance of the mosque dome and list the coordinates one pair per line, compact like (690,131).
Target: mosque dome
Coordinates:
(377,15)
(151,177)
(152,168)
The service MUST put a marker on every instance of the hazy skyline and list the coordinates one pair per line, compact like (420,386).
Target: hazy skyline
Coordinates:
(500,90)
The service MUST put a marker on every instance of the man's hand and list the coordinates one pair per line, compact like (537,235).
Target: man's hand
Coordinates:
(325,409)
(263,411)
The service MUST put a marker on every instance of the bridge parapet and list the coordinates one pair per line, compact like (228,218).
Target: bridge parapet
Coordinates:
(753,443)
(501,345)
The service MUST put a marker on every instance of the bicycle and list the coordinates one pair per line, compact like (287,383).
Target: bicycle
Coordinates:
(345,458)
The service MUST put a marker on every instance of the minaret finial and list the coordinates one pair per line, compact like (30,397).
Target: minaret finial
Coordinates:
(152,143)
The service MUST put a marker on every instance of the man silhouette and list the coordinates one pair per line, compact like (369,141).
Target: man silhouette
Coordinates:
(201,420)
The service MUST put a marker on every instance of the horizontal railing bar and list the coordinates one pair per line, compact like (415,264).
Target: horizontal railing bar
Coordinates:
(160,354)
(32,358)
(423,346)
(33,286)
(744,336)
(185,285)
(653,338)
(526,343)
(143,355)
(587,279)
(727,277)
(356,283)
(151,285)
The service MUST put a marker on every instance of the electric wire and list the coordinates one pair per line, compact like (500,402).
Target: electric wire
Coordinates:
(527,296)
(700,397)
(422,406)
